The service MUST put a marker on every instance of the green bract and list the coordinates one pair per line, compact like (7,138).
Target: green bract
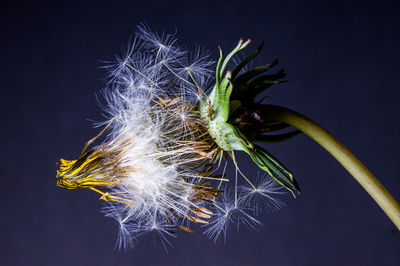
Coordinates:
(225,115)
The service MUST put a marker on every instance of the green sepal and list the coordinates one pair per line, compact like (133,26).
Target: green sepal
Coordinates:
(246,61)
(218,69)
(248,75)
(260,87)
(273,167)
(269,79)
(241,45)
(219,99)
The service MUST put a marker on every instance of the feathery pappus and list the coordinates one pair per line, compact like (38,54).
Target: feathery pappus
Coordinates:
(166,134)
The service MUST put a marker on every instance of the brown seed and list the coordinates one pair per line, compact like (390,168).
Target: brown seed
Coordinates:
(186,229)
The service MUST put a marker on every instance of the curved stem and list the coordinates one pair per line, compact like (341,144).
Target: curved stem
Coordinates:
(369,182)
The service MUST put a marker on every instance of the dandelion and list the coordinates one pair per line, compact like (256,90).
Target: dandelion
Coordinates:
(155,163)
(167,131)
(155,167)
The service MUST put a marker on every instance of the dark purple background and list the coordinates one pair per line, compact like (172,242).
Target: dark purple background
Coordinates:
(343,61)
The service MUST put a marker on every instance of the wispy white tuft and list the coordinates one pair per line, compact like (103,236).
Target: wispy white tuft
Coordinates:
(229,213)
(264,195)
(153,162)
(150,105)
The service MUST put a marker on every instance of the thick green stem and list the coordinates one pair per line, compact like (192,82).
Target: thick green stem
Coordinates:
(388,204)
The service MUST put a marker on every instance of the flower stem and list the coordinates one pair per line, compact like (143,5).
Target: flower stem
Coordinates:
(369,182)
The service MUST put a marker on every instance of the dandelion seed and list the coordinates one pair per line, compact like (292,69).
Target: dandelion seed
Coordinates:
(266,191)
(227,213)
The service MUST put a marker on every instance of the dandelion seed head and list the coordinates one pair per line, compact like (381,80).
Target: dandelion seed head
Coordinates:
(155,166)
